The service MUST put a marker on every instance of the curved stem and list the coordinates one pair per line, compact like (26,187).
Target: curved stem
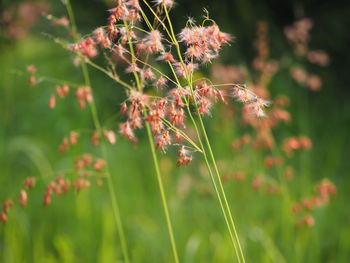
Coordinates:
(155,161)
(159,20)
(213,181)
(221,186)
(189,77)
(112,194)
(97,124)
(236,242)
(183,135)
(108,73)
(162,194)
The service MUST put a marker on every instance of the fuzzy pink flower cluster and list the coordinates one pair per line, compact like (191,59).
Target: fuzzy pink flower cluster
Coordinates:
(203,43)
(138,50)
(253,103)
(298,35)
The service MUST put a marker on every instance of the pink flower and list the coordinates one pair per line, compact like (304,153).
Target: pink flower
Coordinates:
(166,57)
(176,115)
(299,75)
(257,107)
(148,74)
(120,12)
(52,101)
(163,140)
(87,47)
(203,43)
(153,42)
(83,94)
(119,50)
(161,82)
(318,57)
(126,130)
(133,68)
(63,21)
(204,106)
(156,114)
(314,82)
(73,137)
(23,197)
(101,38)
(184,157)
(31,69)
(110,136)
(167,3)
(178,94)
(133,3)
(243,95)
(62,91)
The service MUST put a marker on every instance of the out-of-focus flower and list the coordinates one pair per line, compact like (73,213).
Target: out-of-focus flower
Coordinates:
(18,20)
(62,21)
(319,57)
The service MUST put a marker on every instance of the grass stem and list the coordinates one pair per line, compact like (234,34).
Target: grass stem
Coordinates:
(97,124)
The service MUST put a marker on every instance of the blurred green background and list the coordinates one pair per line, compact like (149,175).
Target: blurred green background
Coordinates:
(80,227)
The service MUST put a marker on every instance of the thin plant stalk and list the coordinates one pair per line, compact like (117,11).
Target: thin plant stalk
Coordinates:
(236,242)
(97,124)
(156,165)
(112,194)
(213,181)
(162,193)
(227,213)
(221,196)
(242,259)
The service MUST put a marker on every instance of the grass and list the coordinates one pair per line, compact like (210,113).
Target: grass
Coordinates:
(80,227)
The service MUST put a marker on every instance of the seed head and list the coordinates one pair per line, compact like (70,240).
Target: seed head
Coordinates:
(64,145)
(73,137)
(110,136)
(153,42)
(23,197)
(63,21)
(126,130)
(184,157)
(99,164)
(163,140)
(101,38)
(29,182)
(31,69)
(52,101)
(3,217)
(167,3)
(95,139)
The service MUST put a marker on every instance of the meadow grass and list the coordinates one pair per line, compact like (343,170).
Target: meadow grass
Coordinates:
(80,227)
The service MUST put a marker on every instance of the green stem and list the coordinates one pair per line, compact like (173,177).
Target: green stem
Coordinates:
(213,181)
(286,202)
(220,184)
(71,18)
(112,194)
(236,242)
(155,161)
(159,20)
(97,124)
(174,129)
(176,43)
(162,194)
